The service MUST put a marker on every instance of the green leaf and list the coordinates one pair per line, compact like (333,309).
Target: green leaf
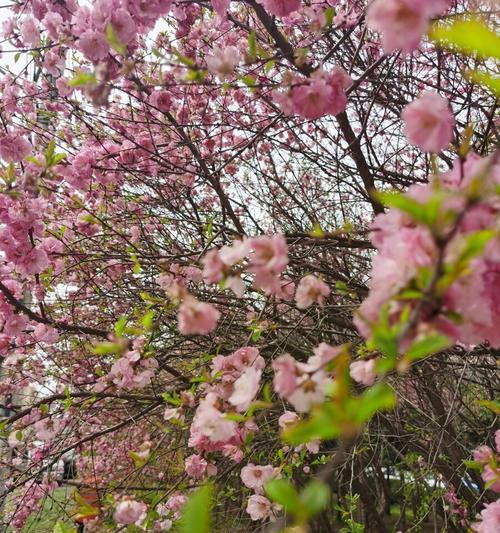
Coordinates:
(58,158)
(470,36)
(329,14)
(427,346)
(196,515)
(475,465)
(475,244)
(61,527)
(492,405)
(323,424)
(424,213)
(33,160)
(120,325)
(106,348)
(113,40)
(252,45)
(138,460)
(147,320)
(317,231)
(82,79)
(187,61)
(489,81)
(380,397)
(249,81)
(315,497)
(283,492)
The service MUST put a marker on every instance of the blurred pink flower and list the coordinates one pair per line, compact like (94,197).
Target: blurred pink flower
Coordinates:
(428,122)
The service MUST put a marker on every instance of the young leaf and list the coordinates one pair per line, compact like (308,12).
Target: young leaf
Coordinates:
(283,492)
(315,497)
(113,40)
(196,516)
(427,346)
(470,36)
(61,527)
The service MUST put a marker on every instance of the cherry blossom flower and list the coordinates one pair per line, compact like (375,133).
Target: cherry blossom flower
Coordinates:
(129,512)
(402,23)
(223,61)
(195,466)
(245,389)
(255,477)
(482,454)
(93,45)
(14,147)
(211,422)
(310,391)
(363,371)
(161,100)
(259,507)
(197,318)
(429,122)
(310,290)
(221,6)
(491,477)
(30,33)
(285,377)
(281,8)
(490,519)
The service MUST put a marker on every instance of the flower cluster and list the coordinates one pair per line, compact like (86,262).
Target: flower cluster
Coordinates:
(489,462)
(409,249)
(323,93)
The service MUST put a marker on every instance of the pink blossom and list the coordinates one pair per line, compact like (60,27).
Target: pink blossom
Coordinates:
(236,284)
(53,24)
(429,122)
(213,267)
(44,333)
(15,439)
(162,100)
(260,508)
(211,422)
(482,454)
(197,318)
(129,512)
(310,391)
(230,255)
(30,33)
(321,94)
(172,413)
(221,7)
(255,477)
(245,357)
(245,389)
(490,519)
(363,371)
(14,147)
(175,503)
(223,61)
(285,378)
(323,354)
(53,63)
(44,431)
(123,25)
(269,255)
(195,466)
(309,290)
(497,440)
(401,23)
(93,45)
(491,478)
(280,8)
(288,419)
